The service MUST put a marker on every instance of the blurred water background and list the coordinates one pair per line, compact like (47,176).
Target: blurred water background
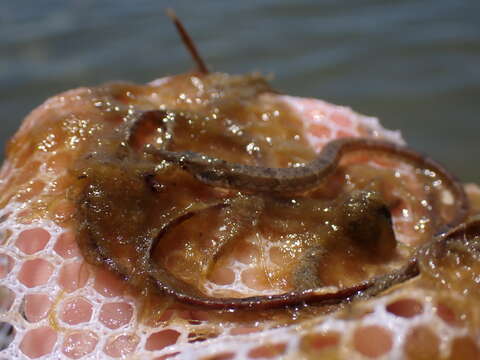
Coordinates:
(415,64)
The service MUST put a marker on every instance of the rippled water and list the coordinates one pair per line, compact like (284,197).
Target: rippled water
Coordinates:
(415,64)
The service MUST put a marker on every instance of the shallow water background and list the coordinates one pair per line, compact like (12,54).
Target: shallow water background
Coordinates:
(415,64)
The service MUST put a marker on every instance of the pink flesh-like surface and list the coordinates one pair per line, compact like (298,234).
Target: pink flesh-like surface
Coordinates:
(61,307)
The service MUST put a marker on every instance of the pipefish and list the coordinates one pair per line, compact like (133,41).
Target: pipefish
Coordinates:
(220,173)
(217,172)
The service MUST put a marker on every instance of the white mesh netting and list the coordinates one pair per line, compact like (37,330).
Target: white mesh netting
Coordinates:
(60,307)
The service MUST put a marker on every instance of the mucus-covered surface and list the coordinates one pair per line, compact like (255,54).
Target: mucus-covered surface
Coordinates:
(70,178)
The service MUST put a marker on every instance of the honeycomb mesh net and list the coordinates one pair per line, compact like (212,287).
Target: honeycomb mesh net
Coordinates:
(54,305)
